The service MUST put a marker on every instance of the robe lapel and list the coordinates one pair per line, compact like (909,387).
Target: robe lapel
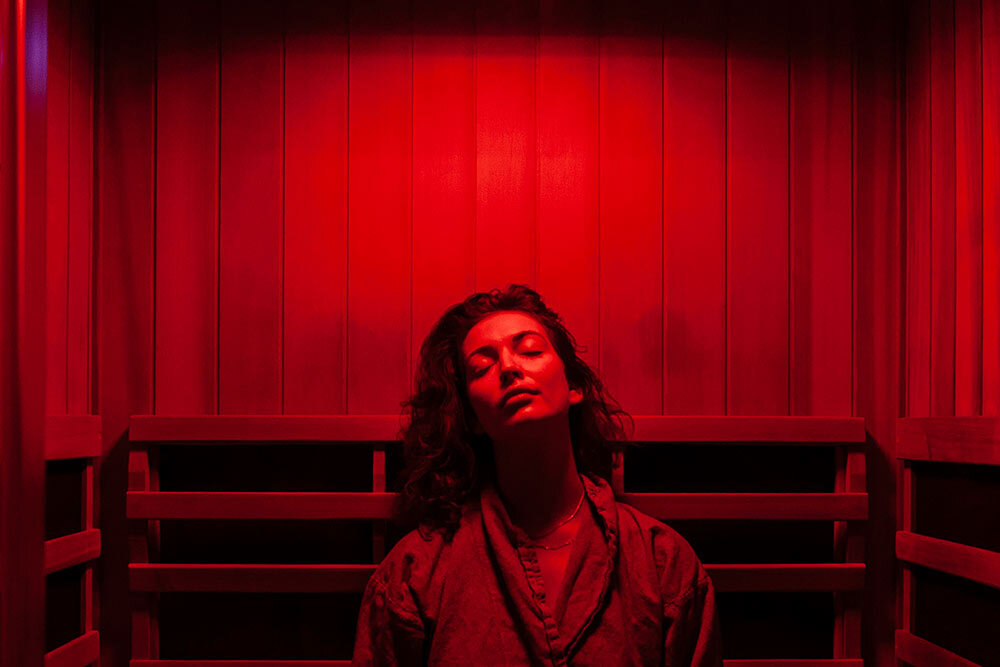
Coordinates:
(506,543)
(591,565)
(588,575)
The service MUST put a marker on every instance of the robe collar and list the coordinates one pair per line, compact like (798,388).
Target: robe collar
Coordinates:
(555,629)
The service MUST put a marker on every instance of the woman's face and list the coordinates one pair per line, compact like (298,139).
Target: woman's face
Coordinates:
(513,375)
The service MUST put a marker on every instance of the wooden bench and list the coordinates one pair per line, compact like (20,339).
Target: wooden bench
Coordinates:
(148,505)
(937,440)
(76,437)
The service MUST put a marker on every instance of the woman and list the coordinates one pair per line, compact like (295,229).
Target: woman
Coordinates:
(523,555)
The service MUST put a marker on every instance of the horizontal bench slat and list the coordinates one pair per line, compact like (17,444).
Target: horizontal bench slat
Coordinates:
(795,662)
(264,428)
(239,663)
(752,506)
(225,578)
(263,505)
(973,440)
(921,653)
(960,560)
(73,549)
(72,437)
(385,428)
(841,662)
(369,506)
(79,652)
(778,430)
(158,577)
(787,578)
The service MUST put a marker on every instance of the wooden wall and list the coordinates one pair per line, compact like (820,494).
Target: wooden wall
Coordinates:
(70,331)
(70,214)
(953,209)
(951,343)
(324,180)
(286,197)
(23,33)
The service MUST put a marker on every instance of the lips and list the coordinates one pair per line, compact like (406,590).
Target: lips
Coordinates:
(513,393)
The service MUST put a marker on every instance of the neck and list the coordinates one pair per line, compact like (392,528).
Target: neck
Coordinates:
(537,478)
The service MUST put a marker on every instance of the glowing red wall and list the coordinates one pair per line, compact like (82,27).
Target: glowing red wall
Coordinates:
(953,213)
(323,183)
(288,199)
(70,212)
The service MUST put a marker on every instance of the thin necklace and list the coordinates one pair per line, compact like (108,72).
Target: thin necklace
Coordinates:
(562,523)
(557,546)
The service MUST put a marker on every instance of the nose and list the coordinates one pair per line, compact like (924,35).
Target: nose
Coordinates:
(509,369)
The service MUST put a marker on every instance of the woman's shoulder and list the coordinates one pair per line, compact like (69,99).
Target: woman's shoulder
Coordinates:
(637,522)
(676,562)
(423,554)
(410,558)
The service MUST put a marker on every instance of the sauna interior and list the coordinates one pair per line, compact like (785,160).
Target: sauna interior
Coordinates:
(227,226)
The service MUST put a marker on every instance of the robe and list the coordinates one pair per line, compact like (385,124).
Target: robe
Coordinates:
(633,593)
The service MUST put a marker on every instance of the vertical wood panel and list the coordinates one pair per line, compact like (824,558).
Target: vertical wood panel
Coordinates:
(126,212)
(942,207)
(694,209)
(379,200)
(444,160)
(88,594)
(631,182)
(187,207)
(879,141)
(848,546)
(906,585)
(991,207)
(968,209)
(250,234)
(57,195)
(568,106)
(505,143)
(757,187)
(918,211)
(23,77)
(81,208)
(143,549)
(315,204)
(821,258)
(821,252)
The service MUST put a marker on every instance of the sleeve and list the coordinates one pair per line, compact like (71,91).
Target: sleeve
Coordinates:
(692,627)
(390,630)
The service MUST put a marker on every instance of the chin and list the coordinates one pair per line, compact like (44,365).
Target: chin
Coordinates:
(527,417)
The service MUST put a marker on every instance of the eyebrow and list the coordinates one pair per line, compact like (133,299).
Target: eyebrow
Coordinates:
(516,337)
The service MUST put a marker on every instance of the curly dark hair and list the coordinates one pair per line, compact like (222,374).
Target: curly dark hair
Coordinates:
(445,461)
